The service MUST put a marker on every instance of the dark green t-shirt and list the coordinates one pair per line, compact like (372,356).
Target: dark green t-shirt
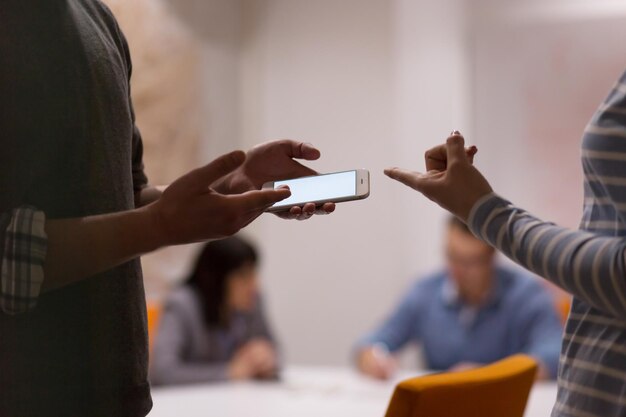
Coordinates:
(69,146)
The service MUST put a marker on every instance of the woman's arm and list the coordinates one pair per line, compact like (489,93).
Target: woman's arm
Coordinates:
(590,267)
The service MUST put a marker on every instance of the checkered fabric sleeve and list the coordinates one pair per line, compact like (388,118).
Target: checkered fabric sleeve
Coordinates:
(23,246)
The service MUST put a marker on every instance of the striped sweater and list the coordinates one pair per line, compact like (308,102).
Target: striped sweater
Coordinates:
(589,263)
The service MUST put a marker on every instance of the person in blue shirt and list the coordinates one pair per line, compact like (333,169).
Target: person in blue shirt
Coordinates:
(472,313)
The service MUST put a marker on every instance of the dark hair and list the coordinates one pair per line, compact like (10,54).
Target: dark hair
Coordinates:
(217,260)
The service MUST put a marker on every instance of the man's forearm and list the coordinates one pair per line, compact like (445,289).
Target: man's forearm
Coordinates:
(188,211)
(81,247)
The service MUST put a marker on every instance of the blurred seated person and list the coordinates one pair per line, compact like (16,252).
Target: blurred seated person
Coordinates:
(213,328)
(472,313)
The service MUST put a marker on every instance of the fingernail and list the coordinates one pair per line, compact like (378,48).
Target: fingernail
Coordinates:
(455,132)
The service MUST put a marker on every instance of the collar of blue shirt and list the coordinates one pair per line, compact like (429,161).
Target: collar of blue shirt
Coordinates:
(452,299)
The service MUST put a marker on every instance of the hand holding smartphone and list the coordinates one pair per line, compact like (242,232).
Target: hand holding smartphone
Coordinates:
(335,187)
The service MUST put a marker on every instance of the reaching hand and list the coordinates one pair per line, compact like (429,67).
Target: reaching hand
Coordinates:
(190,210)
(274,161)
(450,179)
(376,362)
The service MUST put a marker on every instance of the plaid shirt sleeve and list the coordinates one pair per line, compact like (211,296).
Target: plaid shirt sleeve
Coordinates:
(23,246)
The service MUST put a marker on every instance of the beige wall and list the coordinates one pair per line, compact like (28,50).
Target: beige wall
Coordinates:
(540,73)
(374,83)
(361,80)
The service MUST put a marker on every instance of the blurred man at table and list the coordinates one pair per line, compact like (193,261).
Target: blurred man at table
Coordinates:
(213,328)
(472,313)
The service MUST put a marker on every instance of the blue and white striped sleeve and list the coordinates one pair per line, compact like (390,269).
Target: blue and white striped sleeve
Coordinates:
(23,246)
(591,267)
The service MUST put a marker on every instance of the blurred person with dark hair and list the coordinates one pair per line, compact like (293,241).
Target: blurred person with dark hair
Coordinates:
(472,313)
(213,328)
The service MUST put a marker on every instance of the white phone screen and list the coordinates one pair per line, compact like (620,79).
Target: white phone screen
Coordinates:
(319,188)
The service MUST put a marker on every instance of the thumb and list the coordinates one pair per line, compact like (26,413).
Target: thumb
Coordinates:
(260,199)
(300,150)
(309,152)
(203,177)
(455,149)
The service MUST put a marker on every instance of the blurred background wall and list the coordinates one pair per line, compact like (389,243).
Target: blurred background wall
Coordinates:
(372,83)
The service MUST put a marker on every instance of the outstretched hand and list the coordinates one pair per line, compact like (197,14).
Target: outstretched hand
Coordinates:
(274,161)
(190,210)
(450,180)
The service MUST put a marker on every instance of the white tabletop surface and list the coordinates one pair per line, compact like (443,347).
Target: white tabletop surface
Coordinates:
(303,392)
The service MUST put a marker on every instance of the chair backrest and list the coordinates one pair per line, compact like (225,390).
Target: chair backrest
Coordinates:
(563,305)
(497,390)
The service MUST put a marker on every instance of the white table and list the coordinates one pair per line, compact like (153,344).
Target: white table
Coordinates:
(303,392)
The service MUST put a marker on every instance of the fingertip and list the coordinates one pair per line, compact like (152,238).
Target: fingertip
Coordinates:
(231,161)
(276,195)
(204,176)
(456,140)
(237,157)
(283,192)
(455,150)
(394,173)
(310,152)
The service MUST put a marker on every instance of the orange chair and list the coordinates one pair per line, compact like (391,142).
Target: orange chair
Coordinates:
(154,314)
(563,305)
(497,390)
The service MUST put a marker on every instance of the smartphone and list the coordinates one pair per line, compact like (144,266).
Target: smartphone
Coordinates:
(325,188)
